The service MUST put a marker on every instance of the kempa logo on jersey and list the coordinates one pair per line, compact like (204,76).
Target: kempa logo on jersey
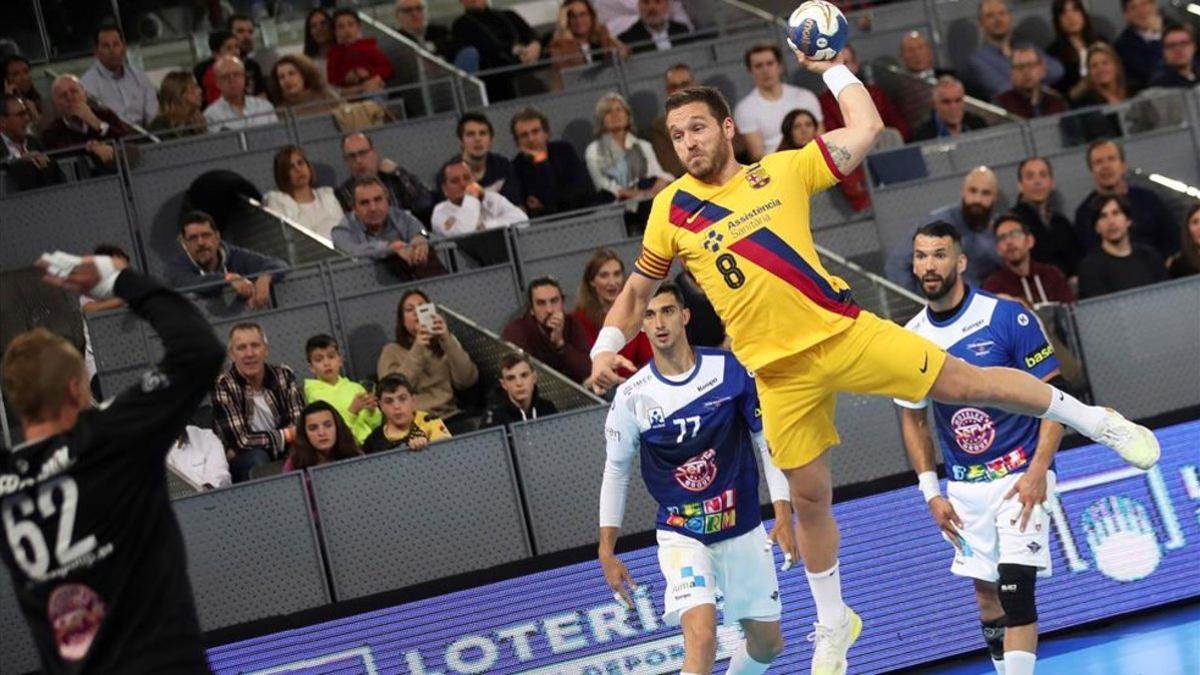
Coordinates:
(1038,355)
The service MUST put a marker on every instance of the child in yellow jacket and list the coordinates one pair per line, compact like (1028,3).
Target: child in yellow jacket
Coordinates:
(355,404)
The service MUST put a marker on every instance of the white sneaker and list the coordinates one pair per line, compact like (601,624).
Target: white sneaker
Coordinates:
(832,643)
(1133,442)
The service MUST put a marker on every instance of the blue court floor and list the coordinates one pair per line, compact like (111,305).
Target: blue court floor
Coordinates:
(1161,643)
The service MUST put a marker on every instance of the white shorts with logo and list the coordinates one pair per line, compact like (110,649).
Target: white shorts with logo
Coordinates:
(741,570)
(991,528)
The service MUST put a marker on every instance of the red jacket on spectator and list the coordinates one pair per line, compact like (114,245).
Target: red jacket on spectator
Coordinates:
(61,135)
(1045,283)
(572,359)
(362,53)
(637,351)
(891,116)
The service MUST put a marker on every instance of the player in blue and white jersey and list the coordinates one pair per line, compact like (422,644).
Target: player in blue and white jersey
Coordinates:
(1000,465)
(693,414)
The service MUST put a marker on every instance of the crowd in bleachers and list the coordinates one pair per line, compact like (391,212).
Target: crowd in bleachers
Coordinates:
(425,386)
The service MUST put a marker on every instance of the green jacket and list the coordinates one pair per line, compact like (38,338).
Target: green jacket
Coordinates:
(340,396)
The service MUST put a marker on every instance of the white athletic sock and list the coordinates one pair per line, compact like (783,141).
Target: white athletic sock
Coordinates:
(1019,663)
(744,664)
(827,594)
(999,666)
(1066,409)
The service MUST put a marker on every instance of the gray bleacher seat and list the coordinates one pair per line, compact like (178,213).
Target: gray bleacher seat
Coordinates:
(70,217)
(571,114)
(604,73)
(247,568)
(567,267)
(595,229)
(316,127)
(1139,347)
(420,146)
(655,64)
(1165,152)
(400,518)
(646,94)
(19,654)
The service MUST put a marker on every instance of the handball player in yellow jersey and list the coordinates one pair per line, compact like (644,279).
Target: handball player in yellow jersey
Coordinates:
(744,232)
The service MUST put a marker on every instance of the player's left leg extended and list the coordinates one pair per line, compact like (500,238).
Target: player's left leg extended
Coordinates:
(764,641)
(746,576)
(1017,584)
(992,621)
(699,625)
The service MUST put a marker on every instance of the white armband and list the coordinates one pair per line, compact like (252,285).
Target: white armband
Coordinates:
(838,78)
(927,481)
(610,339)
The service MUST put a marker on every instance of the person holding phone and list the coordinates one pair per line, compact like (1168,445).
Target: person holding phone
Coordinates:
(428,355)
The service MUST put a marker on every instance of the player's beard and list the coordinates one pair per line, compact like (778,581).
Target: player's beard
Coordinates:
(942,289)
(712,163)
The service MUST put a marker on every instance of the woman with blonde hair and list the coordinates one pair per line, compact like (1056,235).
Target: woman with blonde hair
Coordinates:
(179,100)
(603,279)
(295,82)
(619,162)
(1105,79)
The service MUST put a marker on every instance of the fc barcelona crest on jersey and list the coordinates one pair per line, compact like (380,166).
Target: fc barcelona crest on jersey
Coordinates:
(757,176)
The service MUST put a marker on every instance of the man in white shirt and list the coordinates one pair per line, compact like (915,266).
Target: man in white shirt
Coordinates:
(236,110)
(468,207)
(119,85)
(199,456)
(760,114)
(619,15)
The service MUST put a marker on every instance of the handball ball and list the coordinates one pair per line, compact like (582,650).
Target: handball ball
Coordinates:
(818,30)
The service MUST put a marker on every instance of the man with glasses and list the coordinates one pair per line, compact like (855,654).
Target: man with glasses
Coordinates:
(21,152)
(1178,68)
(950,116)
(236,110)
(989,67)
(405,190)
(1028,97)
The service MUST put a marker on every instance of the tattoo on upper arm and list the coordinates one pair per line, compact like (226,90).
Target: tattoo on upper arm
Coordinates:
(841,157)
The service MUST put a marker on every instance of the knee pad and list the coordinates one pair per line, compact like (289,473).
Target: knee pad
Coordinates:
(993,635)
(1017,584)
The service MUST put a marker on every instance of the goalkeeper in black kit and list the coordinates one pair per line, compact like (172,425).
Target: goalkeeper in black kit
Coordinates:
(90,539)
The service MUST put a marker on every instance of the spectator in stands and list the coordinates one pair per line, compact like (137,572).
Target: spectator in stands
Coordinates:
(356,63)
(619,15)
(81,124)
(950,115)
(972,217)
(378,229)
(1053,234)
(1104,81)
(203,259)
(1020,277)
(199,456)
(1140,42)
(22,154)
(799,128)
(221,43)
(913,96)
(242,28)
(831,112)
(468,208)
(705,329)
(356,406)
(18,79)
(256,405)
(322,438)
(550,335)
(760,113)
(405,190)
(1151,220)
(1028,97)
(412,19)
(296,83)
(551,174)
(179,106)
(1187,261)
(493,172)
(602,281)
(1073,33)
(655,29)
(517,399)
(236,110)
(318,38)
(502,38)
(403,424)
(580,39)
(428,355)
(620,163)
(916,55)
(1178,67)
(988,67)
(117,84)
(1118,262)
(297,195)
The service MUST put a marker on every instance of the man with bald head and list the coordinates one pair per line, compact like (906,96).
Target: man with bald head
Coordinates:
(972,217)
(236,110)
(79,124)
(989,67)
(950,116)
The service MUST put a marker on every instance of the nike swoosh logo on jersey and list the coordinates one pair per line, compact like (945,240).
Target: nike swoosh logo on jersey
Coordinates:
(925,366)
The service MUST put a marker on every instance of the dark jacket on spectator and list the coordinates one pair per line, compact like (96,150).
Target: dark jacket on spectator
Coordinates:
(639,39)
(25,174)
(572,359)
(61,135)
(935,128)
(706,328)
(407,191)
(1140,56)
(183,272)
(1055,242)
(1152,223)
(492,32)
(1101,273)
(501,409)
(561,183)
(233,409)
(437,39)
(1045,283)
(1171,78)
(1020,105)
